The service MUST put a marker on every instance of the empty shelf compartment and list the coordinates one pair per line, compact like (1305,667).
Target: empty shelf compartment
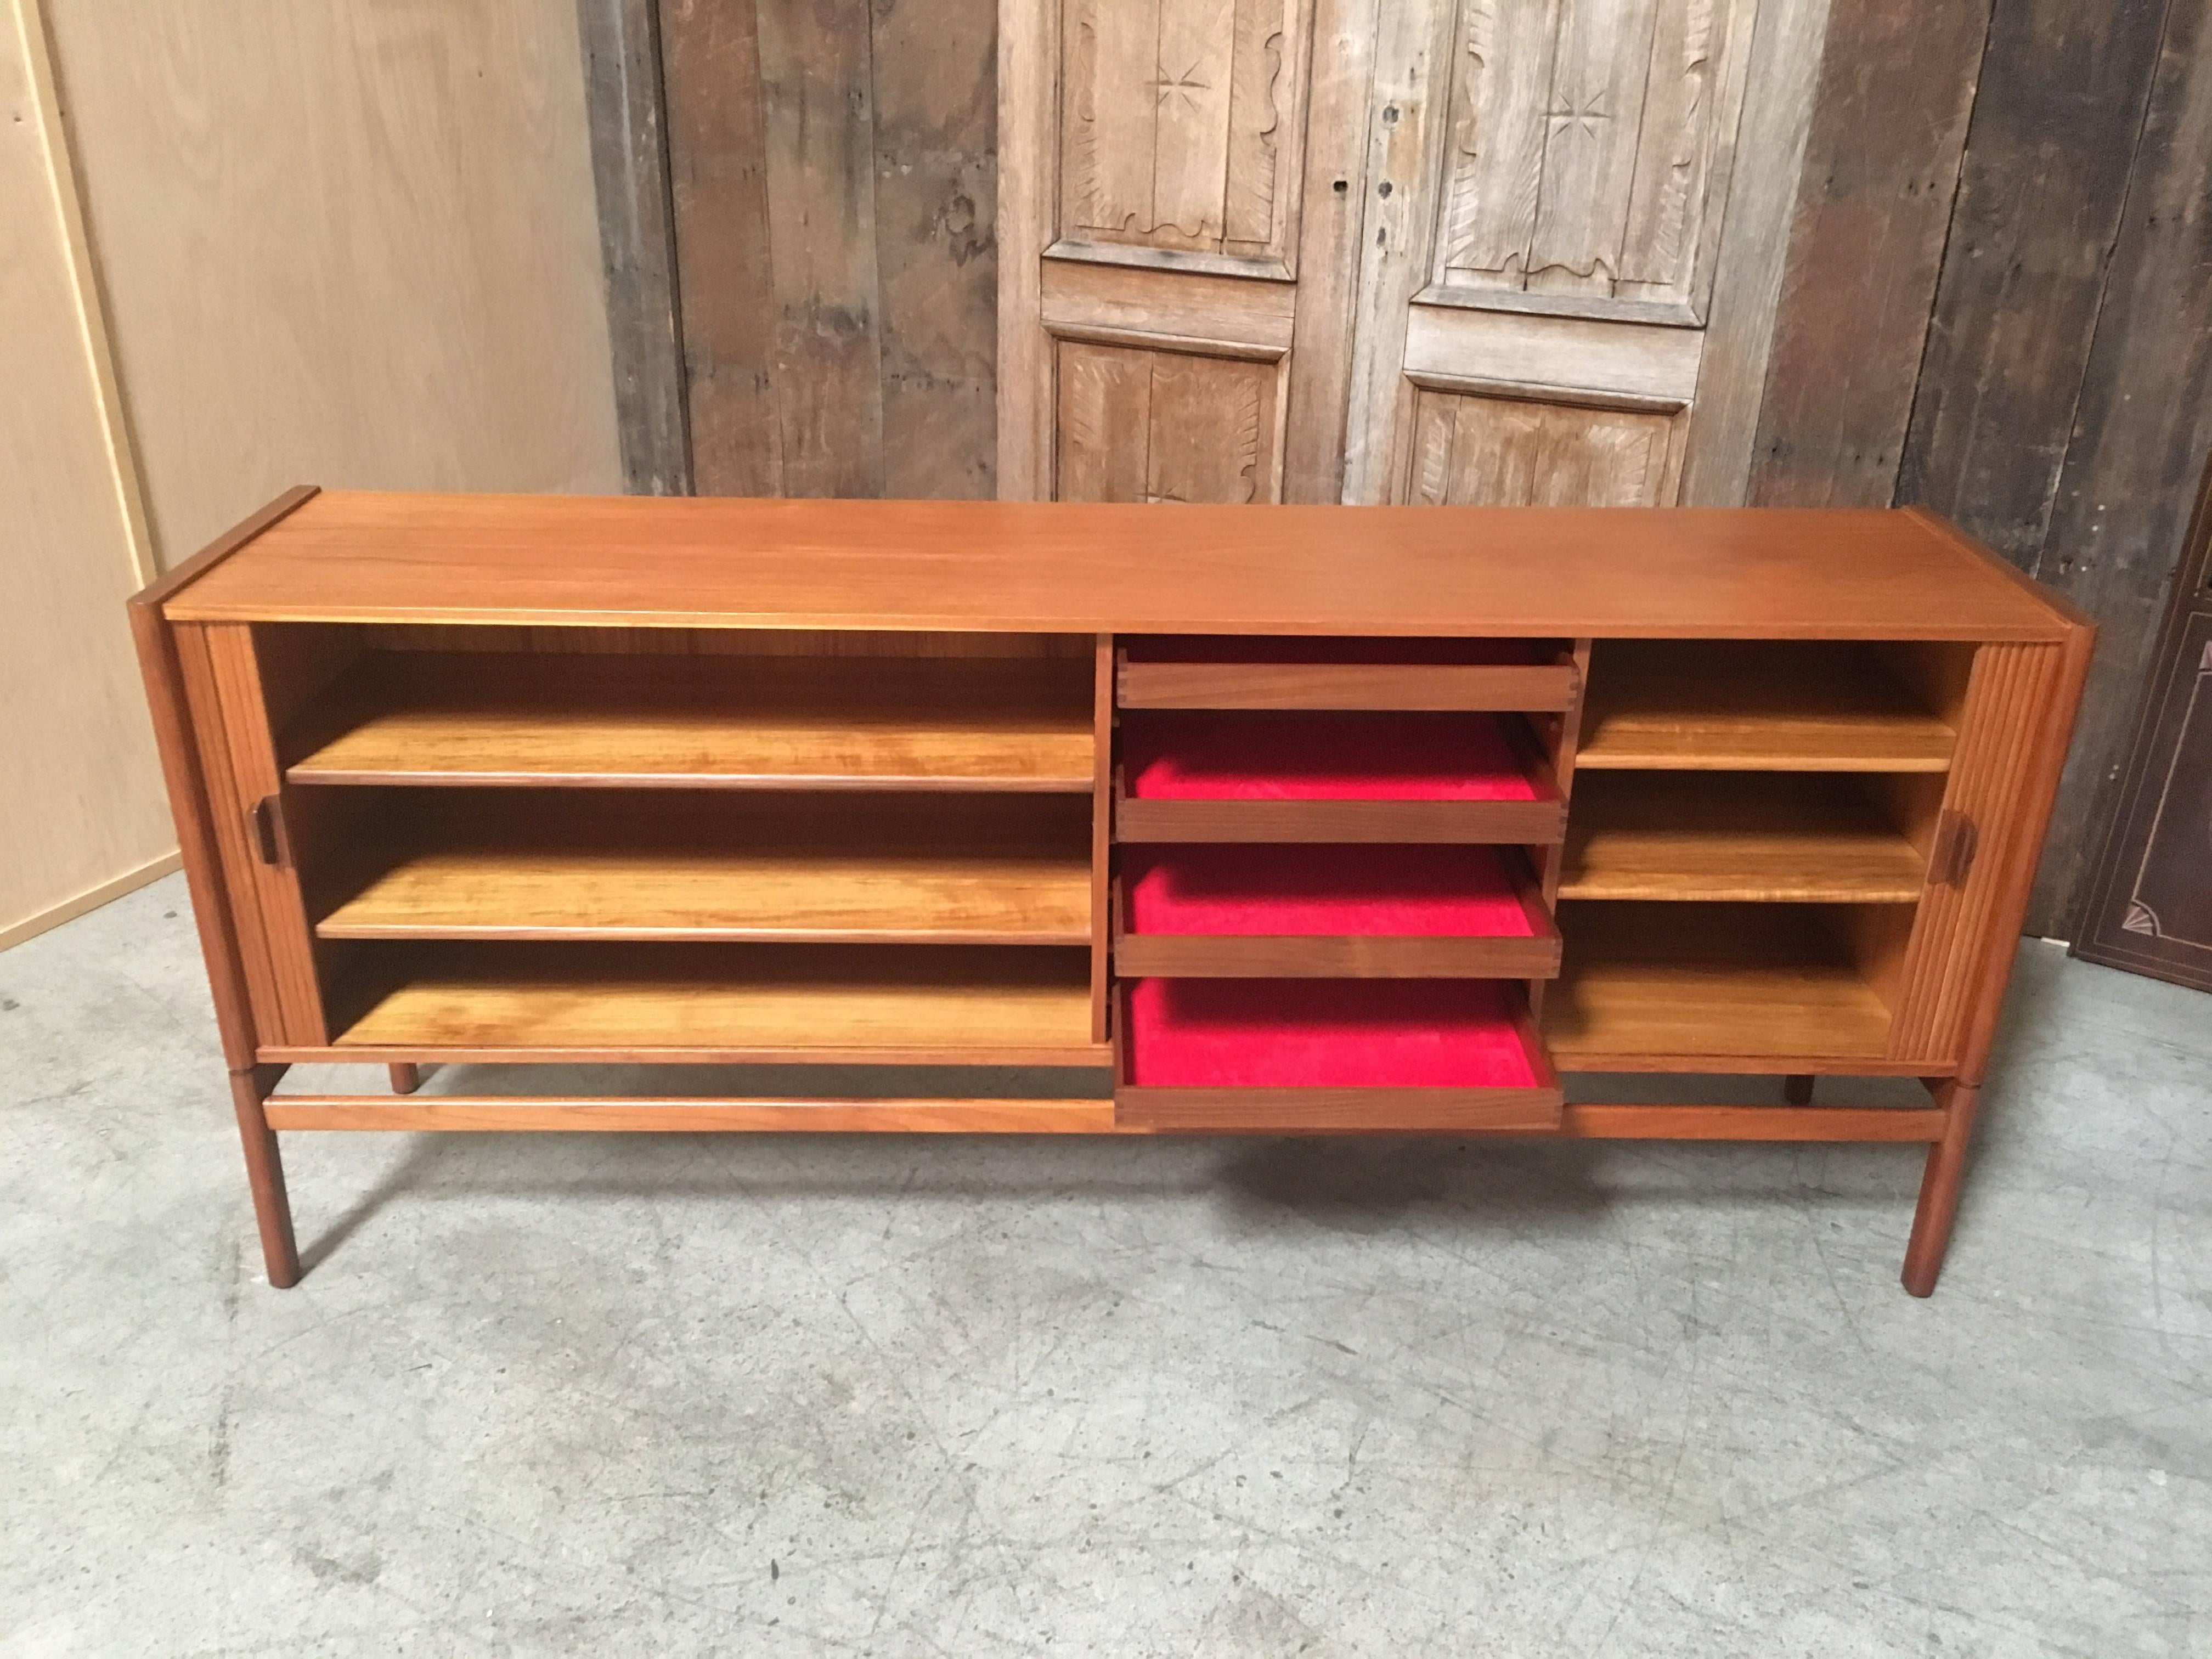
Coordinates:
(1210,671)
(892,1004)
(1790,838)
(1308,775)
(1765,706)
(1330,909)
(926,868)
(1292,1054)
(708,721)
(1722,987)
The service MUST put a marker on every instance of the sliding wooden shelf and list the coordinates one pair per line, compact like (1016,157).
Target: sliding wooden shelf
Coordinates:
(719,721)
(1687,988)
(1203,671)
(1722,705)
(736,1003)
(1686,836)
(1323,1056)
(1304,776)
(1332,912)
(919,868)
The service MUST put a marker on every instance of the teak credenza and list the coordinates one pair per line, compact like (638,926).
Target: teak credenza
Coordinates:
(1301,819)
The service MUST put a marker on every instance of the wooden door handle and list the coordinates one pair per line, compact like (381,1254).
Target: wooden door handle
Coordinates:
(267,820)
(1957,840)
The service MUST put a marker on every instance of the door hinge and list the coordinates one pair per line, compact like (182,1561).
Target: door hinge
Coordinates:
(1957,840)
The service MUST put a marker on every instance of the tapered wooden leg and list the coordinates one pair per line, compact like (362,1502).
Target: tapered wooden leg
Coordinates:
(1939,1188)
(264,1171)
(406,1079)
(1798,1089)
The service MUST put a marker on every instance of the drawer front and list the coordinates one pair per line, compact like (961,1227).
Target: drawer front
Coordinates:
(1528,823)
(1294,913)
(1536,688)
(1331,1057)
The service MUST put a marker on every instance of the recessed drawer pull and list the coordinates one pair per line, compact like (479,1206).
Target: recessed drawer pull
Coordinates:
(1957,840)
(268,823)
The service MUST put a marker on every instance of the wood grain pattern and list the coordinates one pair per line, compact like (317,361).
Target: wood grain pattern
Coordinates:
(1787,837)
(1412,686)
(682,1115)
(734,1003)
(1748,987)
(628,117)
(1102,838)
(2063,89)
(1583,139)
(1179,125)
(1338,1111)
(1200,956)
(82,808)
(1167,426)
(454,336)
(1896,83)
(718,189)
(1516,452)
(2003,724)
(1496,823)
(696,722)
(1039,567)
(1610,1123)
(944,869)
(2120,512)
(1799,708)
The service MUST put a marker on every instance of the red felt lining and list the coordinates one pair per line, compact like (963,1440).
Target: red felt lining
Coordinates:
(1324,1034)
(1278,754)
(1268,889)
(1238,648)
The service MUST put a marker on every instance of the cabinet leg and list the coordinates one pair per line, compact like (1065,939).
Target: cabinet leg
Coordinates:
(1798,1089)
(406,1078)
(1939,1188)
(264,1171)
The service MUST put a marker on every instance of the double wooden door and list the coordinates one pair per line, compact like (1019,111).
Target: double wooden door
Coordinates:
(1495,251)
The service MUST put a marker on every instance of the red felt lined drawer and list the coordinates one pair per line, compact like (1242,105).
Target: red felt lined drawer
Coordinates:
(1333,775)
(1205,671)
(1332,910)
(1320,1055)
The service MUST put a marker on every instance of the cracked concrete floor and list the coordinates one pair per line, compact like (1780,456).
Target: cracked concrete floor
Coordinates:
(678,1395)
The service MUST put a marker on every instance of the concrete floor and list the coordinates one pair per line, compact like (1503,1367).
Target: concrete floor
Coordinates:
(677,1396)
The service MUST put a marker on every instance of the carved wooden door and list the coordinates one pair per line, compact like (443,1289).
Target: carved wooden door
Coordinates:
(1177,205)
(1538,279)
(1423,250)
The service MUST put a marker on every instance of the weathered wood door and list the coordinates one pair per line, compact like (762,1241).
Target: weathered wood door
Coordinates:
(1425,251)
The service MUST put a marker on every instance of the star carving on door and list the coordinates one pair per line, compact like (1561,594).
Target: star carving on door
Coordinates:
(1165,86)
(1584,110)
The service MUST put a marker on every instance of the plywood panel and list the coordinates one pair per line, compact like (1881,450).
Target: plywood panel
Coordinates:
(351,243)
(82,812)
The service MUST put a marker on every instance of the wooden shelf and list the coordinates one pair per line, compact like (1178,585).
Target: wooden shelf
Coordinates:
(891,1004)
(720,721)
(1715,706)
(1670,987)
(1734,835)
(941,869)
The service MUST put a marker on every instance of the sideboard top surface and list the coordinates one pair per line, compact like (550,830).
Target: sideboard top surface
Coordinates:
(356,556)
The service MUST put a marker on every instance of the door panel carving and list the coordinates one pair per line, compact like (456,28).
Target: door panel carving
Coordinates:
(1140,425)
(1180,129)
(1507,452)
(1582,151)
